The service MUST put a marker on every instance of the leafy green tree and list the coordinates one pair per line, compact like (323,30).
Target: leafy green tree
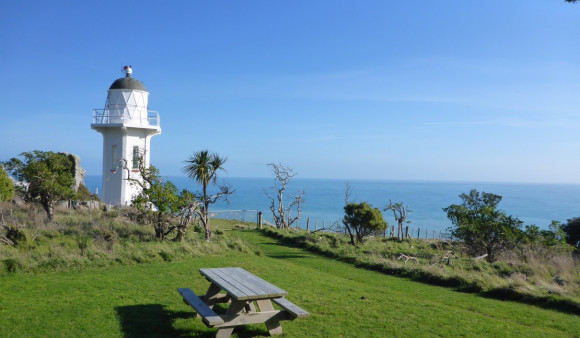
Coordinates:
(6,186)
(362,220)
(554,236)
(159,202)
(49,177)
(572,231)
(203,168)
(481,226)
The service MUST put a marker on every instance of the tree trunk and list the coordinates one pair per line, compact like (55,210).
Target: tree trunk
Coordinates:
(49,208)
(350,234)
(208,234)
(181,230)
(490,255)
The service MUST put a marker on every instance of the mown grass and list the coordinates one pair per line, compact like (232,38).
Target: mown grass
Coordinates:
(543,277)
(344,301)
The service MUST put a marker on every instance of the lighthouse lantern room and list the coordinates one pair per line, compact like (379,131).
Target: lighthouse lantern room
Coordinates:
(127,127)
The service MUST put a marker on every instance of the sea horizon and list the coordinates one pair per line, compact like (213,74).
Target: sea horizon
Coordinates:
(324,199)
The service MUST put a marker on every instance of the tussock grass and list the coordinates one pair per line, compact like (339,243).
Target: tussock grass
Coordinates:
(535,275)
(82,238)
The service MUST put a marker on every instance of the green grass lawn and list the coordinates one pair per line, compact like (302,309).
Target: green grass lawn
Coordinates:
(141,300)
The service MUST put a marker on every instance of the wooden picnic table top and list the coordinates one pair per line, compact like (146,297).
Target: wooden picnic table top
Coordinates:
(241,284)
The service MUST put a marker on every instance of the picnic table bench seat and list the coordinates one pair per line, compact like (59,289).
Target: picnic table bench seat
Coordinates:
(294,310)
(208,316)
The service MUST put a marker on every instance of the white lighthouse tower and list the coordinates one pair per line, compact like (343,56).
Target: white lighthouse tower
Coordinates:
(127,127)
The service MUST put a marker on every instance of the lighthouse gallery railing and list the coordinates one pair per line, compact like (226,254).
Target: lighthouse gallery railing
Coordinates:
(116,116)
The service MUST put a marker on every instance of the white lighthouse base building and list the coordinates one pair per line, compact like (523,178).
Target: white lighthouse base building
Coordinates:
(127,127)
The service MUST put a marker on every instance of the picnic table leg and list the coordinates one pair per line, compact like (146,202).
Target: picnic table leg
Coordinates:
(273,326)
(211,293)
(236,307)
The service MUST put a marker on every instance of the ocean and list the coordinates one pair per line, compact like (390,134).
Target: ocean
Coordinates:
(324,199)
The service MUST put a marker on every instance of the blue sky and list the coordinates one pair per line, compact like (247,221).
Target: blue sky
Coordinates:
(402,90)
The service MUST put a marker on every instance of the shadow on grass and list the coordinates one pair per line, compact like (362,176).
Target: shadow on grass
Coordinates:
(153,320)
(459,284)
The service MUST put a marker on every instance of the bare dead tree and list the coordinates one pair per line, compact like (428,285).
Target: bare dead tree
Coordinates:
(347,195)
(283,213)
(401,212)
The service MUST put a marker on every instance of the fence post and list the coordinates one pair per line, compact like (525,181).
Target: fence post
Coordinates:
(406,231)
(418,232)
(307,223)
(259,220)
(426,234)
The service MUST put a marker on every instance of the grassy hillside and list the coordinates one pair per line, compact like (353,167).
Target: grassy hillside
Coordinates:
(540,275)
(141,300)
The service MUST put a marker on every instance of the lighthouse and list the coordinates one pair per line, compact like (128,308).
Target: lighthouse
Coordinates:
(127,127)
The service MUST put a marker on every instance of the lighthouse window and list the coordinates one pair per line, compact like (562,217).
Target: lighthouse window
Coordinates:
(136,157)
(115,157)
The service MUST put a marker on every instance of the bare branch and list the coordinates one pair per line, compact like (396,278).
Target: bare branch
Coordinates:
(283,214)
(407,258)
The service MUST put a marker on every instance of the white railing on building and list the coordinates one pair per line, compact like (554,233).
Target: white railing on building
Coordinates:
(126,115)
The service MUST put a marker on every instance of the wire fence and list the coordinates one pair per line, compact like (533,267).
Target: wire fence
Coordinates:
(219,217)
(255,218)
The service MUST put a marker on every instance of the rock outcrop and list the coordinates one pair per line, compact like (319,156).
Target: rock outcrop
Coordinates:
(78,172)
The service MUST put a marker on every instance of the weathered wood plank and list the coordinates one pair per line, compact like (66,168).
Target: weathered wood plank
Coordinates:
(255,318)
(227,274)
(293,309)
(256,283)
(209,317)
(235,290)
(242,284)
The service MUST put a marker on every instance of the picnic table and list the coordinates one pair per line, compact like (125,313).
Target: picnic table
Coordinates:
(250,301)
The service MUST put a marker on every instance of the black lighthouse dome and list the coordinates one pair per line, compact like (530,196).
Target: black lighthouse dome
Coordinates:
(128,82)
